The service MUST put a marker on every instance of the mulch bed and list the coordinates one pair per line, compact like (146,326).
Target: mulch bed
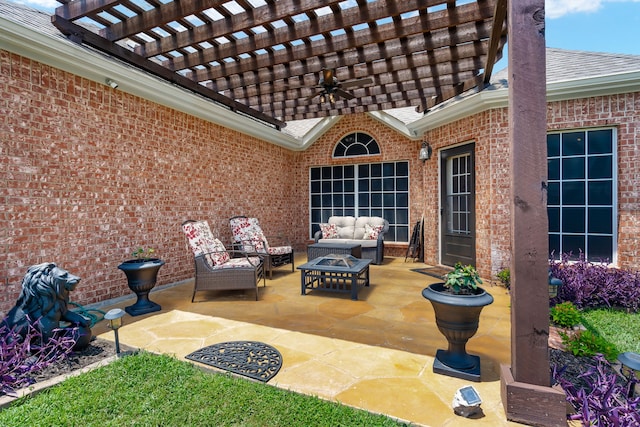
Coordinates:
(97,351)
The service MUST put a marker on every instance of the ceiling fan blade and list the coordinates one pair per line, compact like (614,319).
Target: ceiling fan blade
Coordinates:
(317,92)
(359,82)
(343,94)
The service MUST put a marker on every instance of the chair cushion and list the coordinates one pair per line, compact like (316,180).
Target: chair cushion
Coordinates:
(329,231)
(202,242)
(239,263)
(248,233)
(279,250)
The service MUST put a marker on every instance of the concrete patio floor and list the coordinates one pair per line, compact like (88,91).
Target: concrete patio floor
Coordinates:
(375,353)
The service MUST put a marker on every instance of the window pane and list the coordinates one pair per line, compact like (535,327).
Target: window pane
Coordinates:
(573,220)
(337,172)
(573,193)
(376,200)
(376,185)
(326,187)
(601,141)
(326,173)
(402,234)
(316,215)
(356,150)
(376,169)
(402,184)
(337,186)
(316,201)
(402,216)
(600,193)
(315,173)
(402,169)
(402,200)
(349,200)
(363,199)
(554,246)
(573,143)
(600,248)
(349,171)
(554,219)
(600,167)
(388,199)
(553,145)
(337,200)
(390,215)
(553,193)
(573,168)
(574,245)
(315,186)
(553,168)
(363,171)
(600,220)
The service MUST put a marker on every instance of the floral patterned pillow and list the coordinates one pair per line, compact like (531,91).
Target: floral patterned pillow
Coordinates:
(372,233)
(329,231)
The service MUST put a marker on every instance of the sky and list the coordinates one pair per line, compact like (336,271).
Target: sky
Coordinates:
(592,25)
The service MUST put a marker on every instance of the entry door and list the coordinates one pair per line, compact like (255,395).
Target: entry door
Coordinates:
(458,206)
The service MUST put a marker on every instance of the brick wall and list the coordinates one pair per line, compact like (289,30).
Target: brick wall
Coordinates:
(89,173)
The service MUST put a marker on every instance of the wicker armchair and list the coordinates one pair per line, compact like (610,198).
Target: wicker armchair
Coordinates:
(217,268)
(249,238)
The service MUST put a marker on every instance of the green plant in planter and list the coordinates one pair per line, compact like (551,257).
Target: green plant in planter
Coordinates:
(143,254)
(463,279)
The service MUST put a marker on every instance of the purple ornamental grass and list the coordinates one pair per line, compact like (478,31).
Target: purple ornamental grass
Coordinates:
(21,357)
(591,285)
(606,400)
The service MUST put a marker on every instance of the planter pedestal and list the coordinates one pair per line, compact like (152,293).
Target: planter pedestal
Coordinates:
(141,278)
(457,318)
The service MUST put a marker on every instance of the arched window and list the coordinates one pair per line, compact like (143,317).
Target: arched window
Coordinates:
(356,144)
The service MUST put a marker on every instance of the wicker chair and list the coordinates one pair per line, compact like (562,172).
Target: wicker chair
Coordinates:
(217,268)
(249,238)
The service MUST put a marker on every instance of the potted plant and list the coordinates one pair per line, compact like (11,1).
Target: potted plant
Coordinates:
(142,273)
(457,303)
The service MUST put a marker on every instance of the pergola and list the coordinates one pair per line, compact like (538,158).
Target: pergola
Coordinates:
(270,60)
(265,58)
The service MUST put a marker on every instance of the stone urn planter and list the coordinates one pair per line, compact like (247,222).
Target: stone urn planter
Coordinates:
(142,275)
(457,318)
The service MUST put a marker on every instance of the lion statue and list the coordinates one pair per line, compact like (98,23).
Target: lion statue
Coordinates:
(43,304)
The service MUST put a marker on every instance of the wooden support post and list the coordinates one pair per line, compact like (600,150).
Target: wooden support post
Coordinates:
(527,395)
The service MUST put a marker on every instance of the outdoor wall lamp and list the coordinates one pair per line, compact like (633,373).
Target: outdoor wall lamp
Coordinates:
(112,83)
(425,152)
(114,316)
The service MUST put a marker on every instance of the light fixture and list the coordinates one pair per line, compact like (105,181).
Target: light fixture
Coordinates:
(322,99)
(112,83)
(554,285)
(630,369)
(425,151)
(114,316)
(332,99)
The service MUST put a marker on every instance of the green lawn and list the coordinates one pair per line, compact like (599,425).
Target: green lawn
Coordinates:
(620,328)
(156,390)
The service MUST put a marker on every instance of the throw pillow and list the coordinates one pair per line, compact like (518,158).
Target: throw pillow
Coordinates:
(329,231)
(372,233)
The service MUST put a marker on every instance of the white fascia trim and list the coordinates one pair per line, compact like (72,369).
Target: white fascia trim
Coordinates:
(393,123)
(96,66)
(317,131)
(493,97)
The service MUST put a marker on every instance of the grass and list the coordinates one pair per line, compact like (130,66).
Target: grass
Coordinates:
(618,327)
(145,389)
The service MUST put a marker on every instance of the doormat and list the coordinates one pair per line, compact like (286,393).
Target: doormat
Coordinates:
(252,359)
(438,271)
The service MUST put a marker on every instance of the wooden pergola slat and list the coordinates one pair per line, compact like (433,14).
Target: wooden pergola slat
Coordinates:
(265,60)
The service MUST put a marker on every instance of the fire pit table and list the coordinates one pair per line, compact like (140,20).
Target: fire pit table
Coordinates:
(335,273)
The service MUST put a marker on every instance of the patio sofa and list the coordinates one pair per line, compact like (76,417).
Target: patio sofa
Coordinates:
(367,231)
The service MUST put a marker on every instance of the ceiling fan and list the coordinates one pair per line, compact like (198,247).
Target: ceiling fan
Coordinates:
(329,87)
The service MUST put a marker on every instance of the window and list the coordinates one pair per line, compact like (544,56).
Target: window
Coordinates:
(356,144)
(375,189)
(581,202)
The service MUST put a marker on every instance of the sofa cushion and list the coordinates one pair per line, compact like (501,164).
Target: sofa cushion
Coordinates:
(329,231)
(344,224)
(360,223)
(363,243)
(372,232)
